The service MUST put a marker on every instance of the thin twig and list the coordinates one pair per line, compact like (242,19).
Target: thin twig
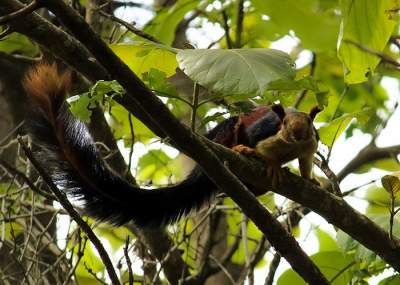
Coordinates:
(31,7)
(272,269)
(384,57)
(73,214)
(130,27)
(239,24)
(226,29)
(128,261)
(195,103)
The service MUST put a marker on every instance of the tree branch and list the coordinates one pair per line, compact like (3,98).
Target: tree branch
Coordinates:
(368,154)
(20,13)
(334,209)
(189,143)
(73,214)
(327,205)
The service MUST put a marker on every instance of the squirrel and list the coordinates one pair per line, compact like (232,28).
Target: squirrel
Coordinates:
(296,138)
(68,151)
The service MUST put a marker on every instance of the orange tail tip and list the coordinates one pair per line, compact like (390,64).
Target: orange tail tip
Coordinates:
(46,85)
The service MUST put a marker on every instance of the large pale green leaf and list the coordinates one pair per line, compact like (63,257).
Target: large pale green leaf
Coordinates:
(326,241)
(236,71)
(316,25)
(366,23)
(164,24)
(141,57)
(333,264)
(331,131)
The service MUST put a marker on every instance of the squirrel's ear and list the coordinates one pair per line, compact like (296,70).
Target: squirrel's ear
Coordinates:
(314,111)
(279,110)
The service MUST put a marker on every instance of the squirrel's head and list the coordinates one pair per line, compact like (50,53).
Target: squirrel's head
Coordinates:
(298,126)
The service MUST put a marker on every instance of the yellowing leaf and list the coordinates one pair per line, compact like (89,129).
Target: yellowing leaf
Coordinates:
(391,183)
(141,57)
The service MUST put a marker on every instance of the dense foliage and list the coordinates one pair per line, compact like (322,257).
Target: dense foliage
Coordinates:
(208,60)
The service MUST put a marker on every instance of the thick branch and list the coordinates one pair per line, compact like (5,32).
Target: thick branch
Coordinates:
(334,209)
(368,154)
(327,205)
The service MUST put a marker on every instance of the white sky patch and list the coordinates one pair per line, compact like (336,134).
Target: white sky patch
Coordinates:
(304,58)
(202,38)
(286,43)
(135,14)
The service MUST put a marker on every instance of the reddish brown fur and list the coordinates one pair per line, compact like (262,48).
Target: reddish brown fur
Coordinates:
(48,88)
(45,85)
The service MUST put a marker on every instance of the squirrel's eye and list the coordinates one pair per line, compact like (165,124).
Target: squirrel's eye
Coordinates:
(284,122)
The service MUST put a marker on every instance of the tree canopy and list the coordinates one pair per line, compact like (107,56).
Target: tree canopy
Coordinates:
(150,78)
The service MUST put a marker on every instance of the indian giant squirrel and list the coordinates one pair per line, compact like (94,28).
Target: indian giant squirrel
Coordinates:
(69,154)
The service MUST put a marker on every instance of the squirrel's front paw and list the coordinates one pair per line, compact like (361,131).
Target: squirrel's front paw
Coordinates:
(244,149)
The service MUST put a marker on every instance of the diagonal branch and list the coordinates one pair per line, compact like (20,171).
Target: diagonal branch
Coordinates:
(189,143)
(368,154)
(327,205)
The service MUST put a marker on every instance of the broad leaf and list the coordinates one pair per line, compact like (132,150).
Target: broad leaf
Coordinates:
(333,264)
(164,24)
(366,23)
(141,57)
(331,131)
(236,71)
(315,25)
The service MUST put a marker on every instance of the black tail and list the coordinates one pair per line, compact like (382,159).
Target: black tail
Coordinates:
(70,155)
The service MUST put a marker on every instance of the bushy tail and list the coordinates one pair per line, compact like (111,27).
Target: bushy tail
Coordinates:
(69,153)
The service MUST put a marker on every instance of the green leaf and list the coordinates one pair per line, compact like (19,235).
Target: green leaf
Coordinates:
(316,26)
(347,243)
(17,43)
(236,71)
(119,122)
(307,83)
(333,264)
(164,24)
(141,57)
(81,105)
(157,81)
(331,131)
(391,183)
(366,23)
(154,167)
(326,241)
